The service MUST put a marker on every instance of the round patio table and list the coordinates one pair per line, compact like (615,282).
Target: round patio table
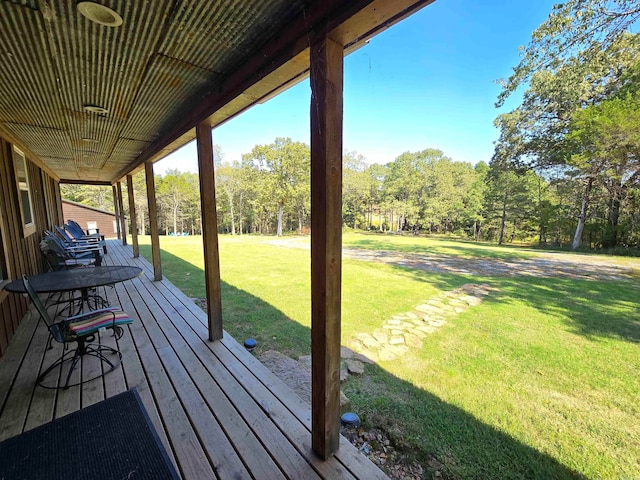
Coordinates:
(76,279)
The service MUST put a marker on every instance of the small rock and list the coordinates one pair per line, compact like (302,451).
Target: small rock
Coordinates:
(413,340)
(355,367)
(436,323)
(346,352)
(345,403)
(396,340)
(426,329)
(436,304)
(411,315)
(363,358)
(381,337)
(393,321)
(396,332)
(425,308)
(398,350)
(386,354)
(369,342)
(470,300)
(344,374)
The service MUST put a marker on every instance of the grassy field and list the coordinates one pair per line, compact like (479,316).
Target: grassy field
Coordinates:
(538,381)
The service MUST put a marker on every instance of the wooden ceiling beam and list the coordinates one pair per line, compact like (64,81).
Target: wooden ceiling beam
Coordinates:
(75,181)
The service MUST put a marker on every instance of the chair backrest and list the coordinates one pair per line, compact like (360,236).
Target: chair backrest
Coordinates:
(53,258)
(65,237)
(55,244)
(54,328)
(76,226)
(74,229)
(60,247)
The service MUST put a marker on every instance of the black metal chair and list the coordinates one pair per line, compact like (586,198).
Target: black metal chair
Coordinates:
(75,230)
(72,242)
(81,330)
(57,259)
(77,253)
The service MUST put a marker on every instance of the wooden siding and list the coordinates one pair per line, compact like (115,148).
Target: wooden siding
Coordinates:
(83,215)
(20,253)
(218,410)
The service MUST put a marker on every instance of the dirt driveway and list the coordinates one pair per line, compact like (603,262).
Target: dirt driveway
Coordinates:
(540,264)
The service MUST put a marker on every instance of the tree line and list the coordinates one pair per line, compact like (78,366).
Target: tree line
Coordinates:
(268,192)
(579,122)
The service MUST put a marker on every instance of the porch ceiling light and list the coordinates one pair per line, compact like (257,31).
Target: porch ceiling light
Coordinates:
(100,14)
(96,109)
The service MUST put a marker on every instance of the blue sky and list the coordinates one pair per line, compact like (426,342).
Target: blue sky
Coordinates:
(427,82)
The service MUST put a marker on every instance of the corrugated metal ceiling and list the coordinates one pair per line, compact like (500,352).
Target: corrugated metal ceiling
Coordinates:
(155,72)
(164,57)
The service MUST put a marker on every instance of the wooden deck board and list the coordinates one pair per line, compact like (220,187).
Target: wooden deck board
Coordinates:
(219,412)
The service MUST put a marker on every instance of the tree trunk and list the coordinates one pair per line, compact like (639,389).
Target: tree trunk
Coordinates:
(141,222)
(280,213)
(300,221)
(240,207)
(613,216)
(542,237)
(577,238)
(503,220)
(175,219)
(233,218)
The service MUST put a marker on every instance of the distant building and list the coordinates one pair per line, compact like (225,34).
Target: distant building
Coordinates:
(90,218)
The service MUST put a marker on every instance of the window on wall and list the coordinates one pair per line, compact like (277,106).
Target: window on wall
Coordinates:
(22,177)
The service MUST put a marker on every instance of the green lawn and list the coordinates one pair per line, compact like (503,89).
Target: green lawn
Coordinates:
(538,381)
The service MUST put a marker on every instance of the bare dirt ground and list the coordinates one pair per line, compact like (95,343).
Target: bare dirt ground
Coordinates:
(540,264)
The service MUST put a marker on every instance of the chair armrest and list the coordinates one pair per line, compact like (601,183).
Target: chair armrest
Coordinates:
(86,248)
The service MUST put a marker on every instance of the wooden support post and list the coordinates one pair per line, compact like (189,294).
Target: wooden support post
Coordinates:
(134,218)
(153,221)
(58,196)
(326,243)
(116,209)
(209,230)
(123,220)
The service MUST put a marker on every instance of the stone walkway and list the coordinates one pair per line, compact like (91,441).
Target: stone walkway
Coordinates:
(408,330)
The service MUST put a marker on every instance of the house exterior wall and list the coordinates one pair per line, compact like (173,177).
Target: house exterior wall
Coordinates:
(84,215)
(19,245)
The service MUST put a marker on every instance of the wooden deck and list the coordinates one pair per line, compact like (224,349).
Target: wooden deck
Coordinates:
(219,412)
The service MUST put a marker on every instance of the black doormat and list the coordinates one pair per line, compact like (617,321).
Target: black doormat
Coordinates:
(113,439)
